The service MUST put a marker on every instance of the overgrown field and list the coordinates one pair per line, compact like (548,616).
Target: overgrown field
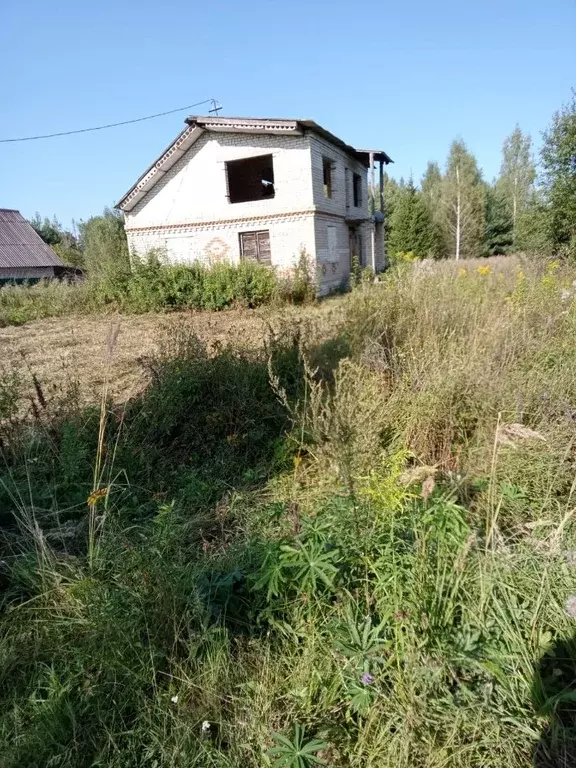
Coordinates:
(351,546)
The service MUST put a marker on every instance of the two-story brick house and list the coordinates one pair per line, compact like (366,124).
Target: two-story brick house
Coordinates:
(264,189)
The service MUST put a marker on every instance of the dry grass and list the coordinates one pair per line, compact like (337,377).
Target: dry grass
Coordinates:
(73,350)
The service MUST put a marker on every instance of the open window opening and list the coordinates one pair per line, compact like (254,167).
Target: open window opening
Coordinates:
(327,176)
(251,178)
(357,189)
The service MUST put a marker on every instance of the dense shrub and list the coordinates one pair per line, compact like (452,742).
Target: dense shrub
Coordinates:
(154,287)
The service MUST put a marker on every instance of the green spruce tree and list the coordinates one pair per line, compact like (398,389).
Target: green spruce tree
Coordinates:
(431,186)
(498,223)
(411,225)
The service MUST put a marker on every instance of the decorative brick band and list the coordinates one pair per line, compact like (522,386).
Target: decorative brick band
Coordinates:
(223,222)
(243,220)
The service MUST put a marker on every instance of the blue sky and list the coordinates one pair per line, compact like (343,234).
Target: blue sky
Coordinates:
(406,77)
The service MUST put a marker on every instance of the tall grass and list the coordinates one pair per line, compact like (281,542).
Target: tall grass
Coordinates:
(154,287)
(286,565)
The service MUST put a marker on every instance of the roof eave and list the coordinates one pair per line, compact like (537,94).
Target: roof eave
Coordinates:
(173,152)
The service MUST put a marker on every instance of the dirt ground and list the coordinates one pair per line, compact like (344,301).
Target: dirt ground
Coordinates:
(85,352)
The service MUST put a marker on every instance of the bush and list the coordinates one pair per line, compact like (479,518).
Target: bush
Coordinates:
(151,287)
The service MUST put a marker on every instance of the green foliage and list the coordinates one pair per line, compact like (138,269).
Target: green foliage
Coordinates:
(431,187)
(558,157)
(411,225)
(105,246)
(24,303)
(151,286)
(300,287)
(355,272)
(296,752)
(404,257)
(369,562)
(49,231)
(498,224)
(517,175)
(533,233)
(463,200)
(64,243)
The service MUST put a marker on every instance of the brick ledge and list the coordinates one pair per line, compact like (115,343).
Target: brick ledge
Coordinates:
(243,220)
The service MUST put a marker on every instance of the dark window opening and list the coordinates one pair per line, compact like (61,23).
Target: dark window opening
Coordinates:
(357,189)
(327,176)
(251,178)
(255,246)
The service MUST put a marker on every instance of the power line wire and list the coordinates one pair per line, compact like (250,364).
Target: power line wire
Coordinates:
(110,125)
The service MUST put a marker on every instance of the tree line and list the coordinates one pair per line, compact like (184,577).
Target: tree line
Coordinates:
(97,245)
(455,213)
(452,213)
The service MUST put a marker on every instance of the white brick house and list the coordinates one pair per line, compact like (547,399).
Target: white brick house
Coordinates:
(232,188)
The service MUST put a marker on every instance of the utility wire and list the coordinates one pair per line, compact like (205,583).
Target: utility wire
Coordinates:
(110,125)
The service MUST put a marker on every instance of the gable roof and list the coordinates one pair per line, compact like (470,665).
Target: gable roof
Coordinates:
(196,126)
(20,245)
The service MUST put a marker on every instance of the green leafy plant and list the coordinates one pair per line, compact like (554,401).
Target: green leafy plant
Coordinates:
(301,567)
(296,752)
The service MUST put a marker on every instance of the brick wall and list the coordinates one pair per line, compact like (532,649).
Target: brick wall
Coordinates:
(209,243)
(343,168)
(194,189)
(188,216)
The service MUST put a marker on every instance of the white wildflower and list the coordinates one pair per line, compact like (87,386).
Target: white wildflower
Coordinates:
(174,699)
(570,556)
(570,606)
(205,726)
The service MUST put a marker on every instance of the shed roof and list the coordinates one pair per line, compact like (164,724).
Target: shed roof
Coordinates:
(196,126)
(20,245)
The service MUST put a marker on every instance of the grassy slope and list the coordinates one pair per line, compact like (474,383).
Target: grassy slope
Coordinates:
(371,548)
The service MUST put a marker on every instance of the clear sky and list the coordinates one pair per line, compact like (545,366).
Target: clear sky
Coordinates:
(407,77)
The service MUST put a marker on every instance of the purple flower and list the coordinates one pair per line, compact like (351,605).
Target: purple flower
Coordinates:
(367,679)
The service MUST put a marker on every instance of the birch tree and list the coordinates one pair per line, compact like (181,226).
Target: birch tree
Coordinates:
(517,174)
(463,202)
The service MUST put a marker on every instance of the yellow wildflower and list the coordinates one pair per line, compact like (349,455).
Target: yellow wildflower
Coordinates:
(96,494)
(297,461)
(553,266)
(484,270)
(462,272)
